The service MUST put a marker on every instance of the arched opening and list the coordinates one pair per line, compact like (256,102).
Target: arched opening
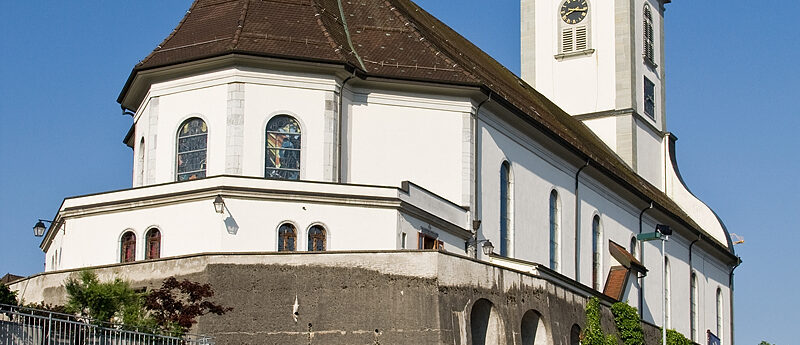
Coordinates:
(505,209)
(152,248)
(486,327)
(533,332)
(575,335)
(283,148)
(191,153)
(287,238)
(555,231)
(127,247)
(316,239)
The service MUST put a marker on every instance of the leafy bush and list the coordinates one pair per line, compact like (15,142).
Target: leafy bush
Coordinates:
(177,304)
(7,296)
(628,323)
(104,301)
(593,333)
(676,338)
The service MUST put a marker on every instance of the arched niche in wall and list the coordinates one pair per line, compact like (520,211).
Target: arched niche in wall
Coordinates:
(486,327)
(532,329)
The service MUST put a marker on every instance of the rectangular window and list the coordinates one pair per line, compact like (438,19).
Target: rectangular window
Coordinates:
(403,240)
(429,241)
(649,98)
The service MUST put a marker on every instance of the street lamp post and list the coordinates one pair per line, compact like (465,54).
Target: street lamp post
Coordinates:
(662,233)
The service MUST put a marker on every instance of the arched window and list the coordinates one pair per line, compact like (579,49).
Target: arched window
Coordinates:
(283,148)
(647,34)
(140,163)
(596,244)
(667,293)
(575,335)
(555,230)
(128,247)
(633,246)
(719,313)
(505,209)
(287,238)
(152,248)
(316,239)
(192,143)
(693,306)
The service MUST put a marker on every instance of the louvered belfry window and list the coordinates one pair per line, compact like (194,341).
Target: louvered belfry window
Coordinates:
(647,33)
(574,39)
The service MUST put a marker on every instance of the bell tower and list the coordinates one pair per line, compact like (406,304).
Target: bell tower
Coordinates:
(602,62)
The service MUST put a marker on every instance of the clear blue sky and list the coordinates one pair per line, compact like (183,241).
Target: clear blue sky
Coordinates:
(732,80)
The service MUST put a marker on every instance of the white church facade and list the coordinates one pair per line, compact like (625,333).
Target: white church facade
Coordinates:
(372,127)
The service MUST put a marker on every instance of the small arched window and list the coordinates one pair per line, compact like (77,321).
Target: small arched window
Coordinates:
(283,148)
(192,144)
(647,34)
(575,335)
(719,313)
(287,238)
(316,239)
(633,246)
(505,209)
(128,247)
(596,252)
(152,248)
(693,306)
(555,230)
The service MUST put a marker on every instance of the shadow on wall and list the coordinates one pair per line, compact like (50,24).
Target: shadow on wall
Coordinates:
(485,325)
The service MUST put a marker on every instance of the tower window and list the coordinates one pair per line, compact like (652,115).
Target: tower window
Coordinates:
(153,245)
(127,247)
(574,28)
(192,143)
(649,98)
(287,238)
(647,33)
(283,148)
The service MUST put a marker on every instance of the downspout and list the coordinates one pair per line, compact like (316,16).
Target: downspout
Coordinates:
(577,224)
(641,260)
(476,223)
(730,281)
(339,136)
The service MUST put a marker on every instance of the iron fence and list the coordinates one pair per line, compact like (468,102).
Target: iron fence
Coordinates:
(28,326)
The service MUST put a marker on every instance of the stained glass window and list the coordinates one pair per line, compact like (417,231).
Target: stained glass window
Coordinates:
(153,244)
(128,247)
(287,238)
(316,238)
(192,143)
(283,148)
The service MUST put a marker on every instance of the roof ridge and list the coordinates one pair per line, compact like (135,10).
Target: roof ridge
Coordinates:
(237,34)
(347,34)
(171,34)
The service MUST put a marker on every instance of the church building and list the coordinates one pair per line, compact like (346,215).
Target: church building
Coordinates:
(365,162)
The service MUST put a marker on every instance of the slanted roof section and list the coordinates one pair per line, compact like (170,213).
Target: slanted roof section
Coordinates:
(388,39)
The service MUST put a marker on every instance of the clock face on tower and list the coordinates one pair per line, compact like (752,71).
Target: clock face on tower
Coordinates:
(573,11)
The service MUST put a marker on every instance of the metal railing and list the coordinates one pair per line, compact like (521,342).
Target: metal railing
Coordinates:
(28,326)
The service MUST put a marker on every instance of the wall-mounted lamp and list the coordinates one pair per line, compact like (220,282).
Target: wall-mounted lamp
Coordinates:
(488,248)
(40,228)
(219,204)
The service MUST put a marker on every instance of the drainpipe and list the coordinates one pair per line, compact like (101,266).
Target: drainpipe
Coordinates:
(339,160)
(730,281)
(476,223)
(577,225)
(641,260)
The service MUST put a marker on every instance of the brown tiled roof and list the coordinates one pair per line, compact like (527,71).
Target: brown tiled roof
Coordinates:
(616,282)
(624,257)
(8,278)
(390,39)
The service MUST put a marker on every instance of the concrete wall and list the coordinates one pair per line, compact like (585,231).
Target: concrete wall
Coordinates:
(420,297)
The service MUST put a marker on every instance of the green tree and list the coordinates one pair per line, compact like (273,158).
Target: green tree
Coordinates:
(593,333)
(677,338)
(764,342)
(103,301)
(7,296)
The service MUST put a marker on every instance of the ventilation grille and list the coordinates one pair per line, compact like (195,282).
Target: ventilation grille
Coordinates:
(649,52)
(580,38)
(567,41)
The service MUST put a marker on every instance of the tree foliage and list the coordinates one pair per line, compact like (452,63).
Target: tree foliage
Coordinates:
(628,323)
(593,333)
(7,296)
(103,301)
(177,304)
(764,342)
(677,338)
